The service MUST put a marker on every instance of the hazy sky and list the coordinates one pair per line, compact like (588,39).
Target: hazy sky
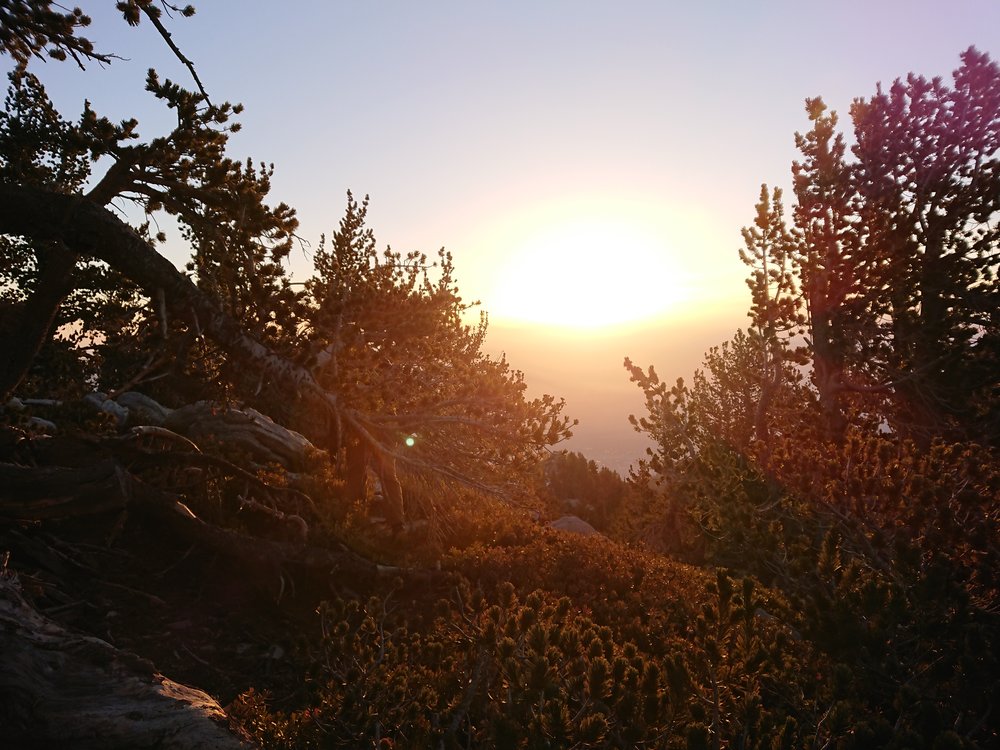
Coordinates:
(619,145)
(485,127)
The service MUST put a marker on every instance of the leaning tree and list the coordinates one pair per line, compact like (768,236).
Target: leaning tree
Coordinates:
(256,380)
(262,337)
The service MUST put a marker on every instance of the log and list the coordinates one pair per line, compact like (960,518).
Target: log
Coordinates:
(142,410)
(39,493)
(63,689)
(243,430)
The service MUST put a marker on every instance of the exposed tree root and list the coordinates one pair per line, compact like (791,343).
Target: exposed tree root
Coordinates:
(63,689)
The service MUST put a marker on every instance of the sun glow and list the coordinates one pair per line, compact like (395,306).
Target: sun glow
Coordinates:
(588,273)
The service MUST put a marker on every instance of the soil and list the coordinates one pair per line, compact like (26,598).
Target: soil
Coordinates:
(198,618)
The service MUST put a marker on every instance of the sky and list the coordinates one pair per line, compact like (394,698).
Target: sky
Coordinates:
(586,162)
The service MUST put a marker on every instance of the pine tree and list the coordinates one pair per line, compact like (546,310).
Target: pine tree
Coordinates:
(768,250)
(825,258)
(928,183)
(388,332)
(401,359)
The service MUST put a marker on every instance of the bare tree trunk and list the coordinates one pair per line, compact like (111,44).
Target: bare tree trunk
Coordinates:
(25,331)
(91,230)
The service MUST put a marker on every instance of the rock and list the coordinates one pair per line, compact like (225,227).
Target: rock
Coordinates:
(574,525)
(41,426)
(64,689)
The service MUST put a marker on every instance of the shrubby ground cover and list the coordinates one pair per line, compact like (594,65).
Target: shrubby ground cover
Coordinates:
(325,503)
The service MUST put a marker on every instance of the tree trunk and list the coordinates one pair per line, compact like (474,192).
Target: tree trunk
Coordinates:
(827,371)
(25,332)
(91,230)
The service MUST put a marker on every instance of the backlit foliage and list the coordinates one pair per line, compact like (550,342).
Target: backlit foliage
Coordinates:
(865,493)
(807,558)
(389,332)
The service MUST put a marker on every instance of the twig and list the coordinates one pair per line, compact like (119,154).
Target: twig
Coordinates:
(151,598)
(152,364)
(162,432)
(167,37)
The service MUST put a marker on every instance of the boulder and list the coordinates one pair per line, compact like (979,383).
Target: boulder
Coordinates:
(574,525)
(64,689)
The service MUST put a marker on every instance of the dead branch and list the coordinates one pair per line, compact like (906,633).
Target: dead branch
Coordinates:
(145,431)
(48,492)
(153,17)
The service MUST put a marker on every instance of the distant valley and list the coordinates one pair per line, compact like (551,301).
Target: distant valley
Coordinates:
(586,369)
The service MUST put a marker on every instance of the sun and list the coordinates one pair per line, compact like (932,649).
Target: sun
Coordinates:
(587,273)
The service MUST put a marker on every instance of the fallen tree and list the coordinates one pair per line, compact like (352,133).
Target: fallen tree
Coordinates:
(271,393)
(92,230)
(52,219)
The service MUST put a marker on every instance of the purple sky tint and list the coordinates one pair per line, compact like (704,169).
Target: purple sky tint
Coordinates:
(470,122)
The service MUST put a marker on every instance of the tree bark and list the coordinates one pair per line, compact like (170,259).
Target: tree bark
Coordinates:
(827,369)
(25,332)
(245,430)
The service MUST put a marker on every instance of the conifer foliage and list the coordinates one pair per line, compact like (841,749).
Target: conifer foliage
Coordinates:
(831,450)
(806,558)
(249,330)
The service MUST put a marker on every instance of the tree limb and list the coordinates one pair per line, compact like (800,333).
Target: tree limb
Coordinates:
(168,38)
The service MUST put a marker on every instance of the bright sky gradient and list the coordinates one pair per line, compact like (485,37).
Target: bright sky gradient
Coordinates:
(584,161)
(495,128)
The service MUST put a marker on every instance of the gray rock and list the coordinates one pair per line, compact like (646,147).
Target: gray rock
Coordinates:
(41,426)
(574,525)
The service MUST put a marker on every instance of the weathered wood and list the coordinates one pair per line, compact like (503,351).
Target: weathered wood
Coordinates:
(63,689)
(142,410)
(37,493)
(242,430)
